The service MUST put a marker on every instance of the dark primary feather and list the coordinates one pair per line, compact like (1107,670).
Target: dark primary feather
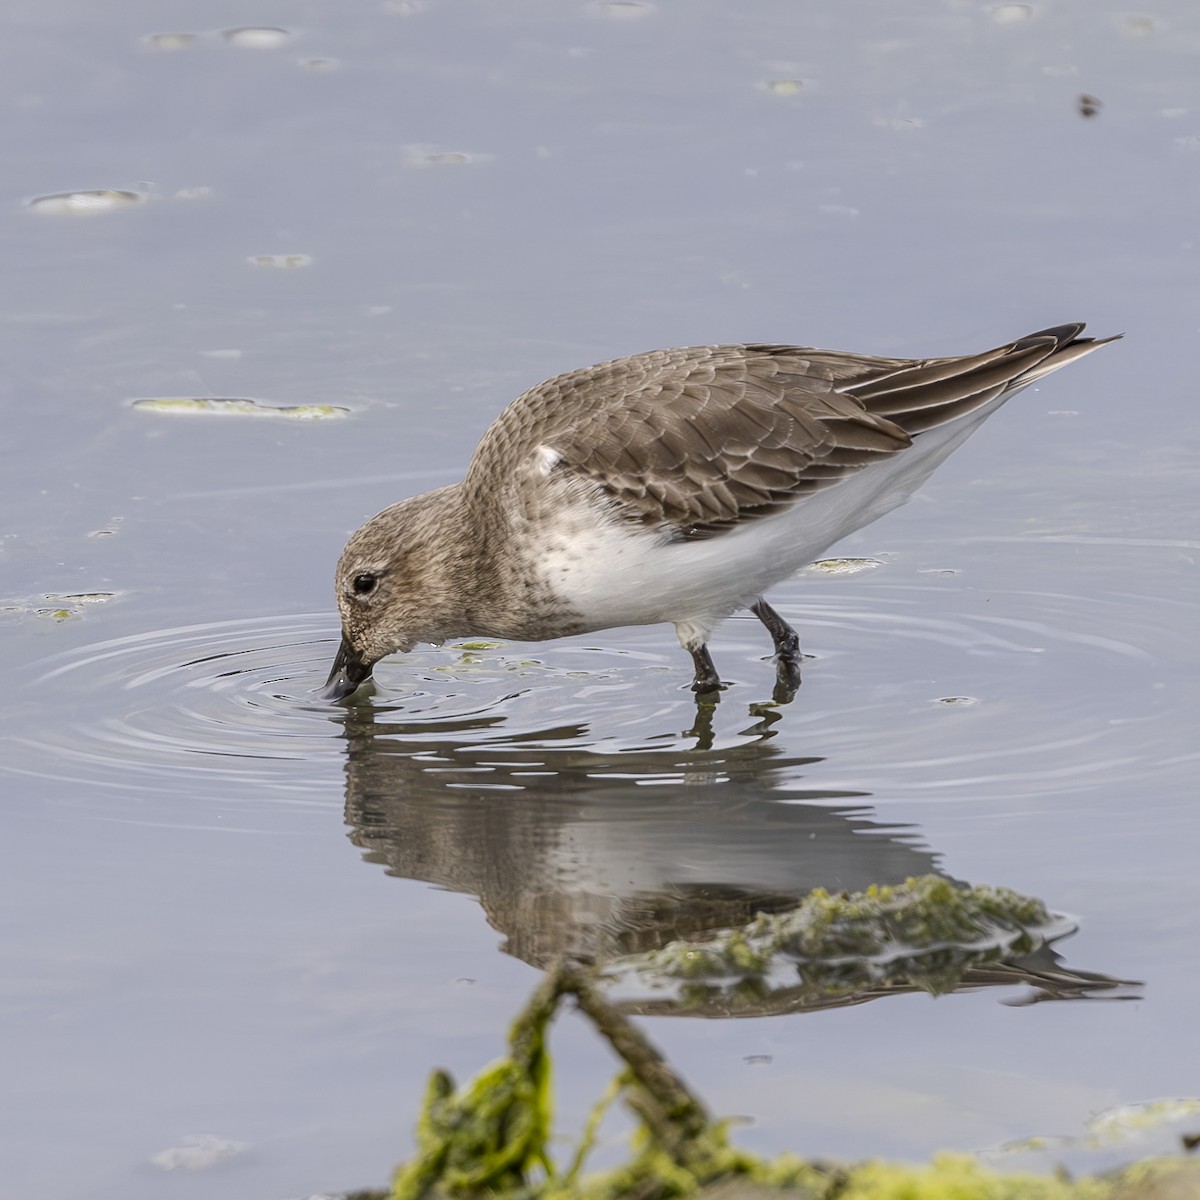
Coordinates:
(700,438)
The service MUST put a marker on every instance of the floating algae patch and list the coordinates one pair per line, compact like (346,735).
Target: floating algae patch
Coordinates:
(1150,1129)
(784,87)
(198,1152)
(78,598)
(419,154)
(1129,1123)
(166,43)
(237,407)
(471,654)
(925,934)
(57,606)
(281,262)
(843,566)
(86,203)
(622,10)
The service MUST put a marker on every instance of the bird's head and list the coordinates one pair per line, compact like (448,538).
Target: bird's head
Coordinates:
(374,598)
(391,587)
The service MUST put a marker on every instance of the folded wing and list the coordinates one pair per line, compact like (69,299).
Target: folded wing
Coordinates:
(699,439)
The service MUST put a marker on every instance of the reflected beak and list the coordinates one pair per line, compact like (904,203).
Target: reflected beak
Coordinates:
(349,670)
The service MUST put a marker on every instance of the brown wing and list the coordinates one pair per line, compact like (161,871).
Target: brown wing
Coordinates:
(702,438)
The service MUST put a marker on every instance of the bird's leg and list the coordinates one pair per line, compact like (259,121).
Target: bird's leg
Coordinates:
(707,680)
(787,647)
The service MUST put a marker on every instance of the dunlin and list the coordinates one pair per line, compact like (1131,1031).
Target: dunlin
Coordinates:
(674,486)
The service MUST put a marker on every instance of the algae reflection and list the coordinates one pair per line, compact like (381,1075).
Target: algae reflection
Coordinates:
(633,863)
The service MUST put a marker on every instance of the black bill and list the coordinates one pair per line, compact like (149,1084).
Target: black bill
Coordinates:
(349,670)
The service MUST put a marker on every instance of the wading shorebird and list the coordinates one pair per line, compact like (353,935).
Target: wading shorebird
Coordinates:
(676,485)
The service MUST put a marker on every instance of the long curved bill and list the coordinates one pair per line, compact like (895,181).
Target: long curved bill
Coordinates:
(348,671)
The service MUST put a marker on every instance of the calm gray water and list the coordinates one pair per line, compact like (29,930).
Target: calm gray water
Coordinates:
(233,912)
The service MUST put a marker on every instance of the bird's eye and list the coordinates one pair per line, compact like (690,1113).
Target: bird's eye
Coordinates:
(364,584)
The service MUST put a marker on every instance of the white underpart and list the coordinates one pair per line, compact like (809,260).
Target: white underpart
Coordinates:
(614,574)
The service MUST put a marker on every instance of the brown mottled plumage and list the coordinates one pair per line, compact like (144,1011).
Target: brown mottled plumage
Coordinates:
(675,486)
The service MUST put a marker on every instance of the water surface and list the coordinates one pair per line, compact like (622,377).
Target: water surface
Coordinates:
(233,911)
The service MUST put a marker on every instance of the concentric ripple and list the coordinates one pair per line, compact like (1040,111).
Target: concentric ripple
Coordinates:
(1067,693)
(228,698)
(909,689)
(238,703)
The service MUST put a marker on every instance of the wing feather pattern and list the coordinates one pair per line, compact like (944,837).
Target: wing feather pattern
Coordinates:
(699,439)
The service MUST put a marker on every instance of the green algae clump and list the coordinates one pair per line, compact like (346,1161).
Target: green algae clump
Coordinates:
(960,1177)
(924,933)
(491,1138)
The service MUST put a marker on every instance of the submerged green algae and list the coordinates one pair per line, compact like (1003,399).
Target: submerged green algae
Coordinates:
(492,1136)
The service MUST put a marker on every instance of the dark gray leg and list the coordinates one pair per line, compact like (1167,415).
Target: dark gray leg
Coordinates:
(787,645)
(707,679)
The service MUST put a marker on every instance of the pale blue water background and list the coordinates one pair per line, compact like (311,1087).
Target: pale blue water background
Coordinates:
(192,943)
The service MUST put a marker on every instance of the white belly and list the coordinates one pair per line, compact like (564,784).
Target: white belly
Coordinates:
(615,574)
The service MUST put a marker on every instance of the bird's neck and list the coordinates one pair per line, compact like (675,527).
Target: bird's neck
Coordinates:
(466,575)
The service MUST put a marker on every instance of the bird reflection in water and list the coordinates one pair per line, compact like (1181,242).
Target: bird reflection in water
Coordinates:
(598,857)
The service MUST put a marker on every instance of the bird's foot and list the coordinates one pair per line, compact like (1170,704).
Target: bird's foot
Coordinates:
(787,651)
(707,683)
